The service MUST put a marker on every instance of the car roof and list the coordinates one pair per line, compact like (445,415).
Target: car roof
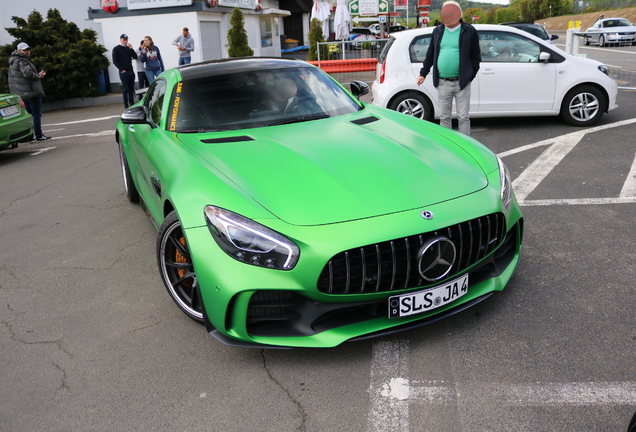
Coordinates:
(409,33)
(234,65)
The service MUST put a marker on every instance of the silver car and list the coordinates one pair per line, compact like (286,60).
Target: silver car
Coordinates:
(608,31)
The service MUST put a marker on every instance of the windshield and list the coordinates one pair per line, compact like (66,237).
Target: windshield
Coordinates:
(617,23)
(259,98)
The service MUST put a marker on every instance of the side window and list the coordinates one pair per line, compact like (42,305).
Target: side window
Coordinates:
(507,47)
(418,48)
(154,100)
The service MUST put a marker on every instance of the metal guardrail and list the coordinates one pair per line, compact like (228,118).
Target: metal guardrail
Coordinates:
(351,50)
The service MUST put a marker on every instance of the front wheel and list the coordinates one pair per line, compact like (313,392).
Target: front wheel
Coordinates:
(583,106)
(413,104)
(177,269)
(601,41)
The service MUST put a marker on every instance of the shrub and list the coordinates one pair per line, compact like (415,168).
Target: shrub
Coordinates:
(72,58)
(237,36)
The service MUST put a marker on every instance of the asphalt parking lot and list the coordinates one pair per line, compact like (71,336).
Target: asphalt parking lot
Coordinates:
(90,340)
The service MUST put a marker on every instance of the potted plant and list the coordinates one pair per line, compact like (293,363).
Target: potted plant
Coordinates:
(366,48)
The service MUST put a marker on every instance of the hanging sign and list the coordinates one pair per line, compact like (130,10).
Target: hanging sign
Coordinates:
(110,6)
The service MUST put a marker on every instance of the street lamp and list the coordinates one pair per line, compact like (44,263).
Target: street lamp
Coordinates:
(550,11)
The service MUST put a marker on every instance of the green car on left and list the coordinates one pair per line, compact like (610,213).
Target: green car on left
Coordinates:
(16,124)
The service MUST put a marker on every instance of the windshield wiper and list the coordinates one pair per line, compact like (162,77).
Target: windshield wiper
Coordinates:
(299,119)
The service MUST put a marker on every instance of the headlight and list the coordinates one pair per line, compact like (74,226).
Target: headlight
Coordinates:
(250,242)
(607,71)
(506,185)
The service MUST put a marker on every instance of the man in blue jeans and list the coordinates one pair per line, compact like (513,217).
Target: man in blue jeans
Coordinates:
(185,45)
(123,55)
(26,82)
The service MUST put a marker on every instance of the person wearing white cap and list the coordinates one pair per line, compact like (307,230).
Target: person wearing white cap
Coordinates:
(454,55)
(26,82)
(123,55)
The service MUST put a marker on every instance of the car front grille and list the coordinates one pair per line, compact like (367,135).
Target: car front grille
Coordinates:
(393,265)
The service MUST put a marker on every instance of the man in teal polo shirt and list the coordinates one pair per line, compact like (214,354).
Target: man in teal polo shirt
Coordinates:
(454,56)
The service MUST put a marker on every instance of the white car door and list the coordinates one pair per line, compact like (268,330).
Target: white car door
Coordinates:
(511,78)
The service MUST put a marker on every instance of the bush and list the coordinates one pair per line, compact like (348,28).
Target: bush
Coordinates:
(366,45)
(315,37)
(72,58)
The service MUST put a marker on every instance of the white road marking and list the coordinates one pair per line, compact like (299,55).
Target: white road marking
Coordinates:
(40,151)
(392,392)
(629,187)
(389,390)
(83,121)
(539,169)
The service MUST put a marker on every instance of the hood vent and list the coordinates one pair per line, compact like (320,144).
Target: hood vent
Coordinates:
(365,120)
(231,139)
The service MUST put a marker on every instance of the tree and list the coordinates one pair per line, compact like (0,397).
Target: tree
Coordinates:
(72,58)
(237,36)
(468,14)
(315,37)
(508,14)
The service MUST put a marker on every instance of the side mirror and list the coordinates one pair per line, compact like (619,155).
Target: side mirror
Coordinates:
(554,37)
(359,88)
(544,57)
(135,115)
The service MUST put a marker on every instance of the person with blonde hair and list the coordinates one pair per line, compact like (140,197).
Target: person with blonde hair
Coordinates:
(454,56)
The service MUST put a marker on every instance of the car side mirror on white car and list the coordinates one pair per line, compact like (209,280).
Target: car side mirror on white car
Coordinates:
(544,57)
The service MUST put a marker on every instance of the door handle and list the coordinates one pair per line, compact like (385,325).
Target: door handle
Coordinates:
(488,72)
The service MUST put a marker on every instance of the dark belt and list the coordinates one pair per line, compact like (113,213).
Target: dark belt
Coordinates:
(450,79)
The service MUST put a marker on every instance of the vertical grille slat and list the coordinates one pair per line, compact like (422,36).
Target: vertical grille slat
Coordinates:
(347,272)
(392,265)
(408,263)
(364,270)
(379,267)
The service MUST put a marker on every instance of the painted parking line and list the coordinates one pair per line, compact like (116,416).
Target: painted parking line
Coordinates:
(392,392)
(95,119)
(559,147)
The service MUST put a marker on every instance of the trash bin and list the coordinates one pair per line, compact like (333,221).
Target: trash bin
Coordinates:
(102,82)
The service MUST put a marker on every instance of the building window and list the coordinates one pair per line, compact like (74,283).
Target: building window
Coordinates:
(266,32)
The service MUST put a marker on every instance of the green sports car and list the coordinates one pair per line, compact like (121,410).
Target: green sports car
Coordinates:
(16,124)
(290,214)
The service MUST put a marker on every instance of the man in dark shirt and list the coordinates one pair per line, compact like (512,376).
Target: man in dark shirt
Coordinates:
(123,54)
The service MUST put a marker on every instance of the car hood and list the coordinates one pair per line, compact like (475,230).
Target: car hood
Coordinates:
(335,170)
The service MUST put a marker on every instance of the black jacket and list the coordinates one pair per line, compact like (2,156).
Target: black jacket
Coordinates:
(469,54)
(122,58)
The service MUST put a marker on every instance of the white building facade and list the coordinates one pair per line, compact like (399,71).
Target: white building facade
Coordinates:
(208,23)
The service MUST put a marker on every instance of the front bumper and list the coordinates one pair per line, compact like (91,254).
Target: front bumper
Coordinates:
(249,306)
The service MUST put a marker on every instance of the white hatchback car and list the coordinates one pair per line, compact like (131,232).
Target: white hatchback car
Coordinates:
(519,75)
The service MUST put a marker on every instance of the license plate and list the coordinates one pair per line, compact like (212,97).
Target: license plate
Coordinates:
(8,111)
(429,299)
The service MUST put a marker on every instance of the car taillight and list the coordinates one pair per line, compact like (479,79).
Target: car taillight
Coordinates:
(22,105)
(382,66)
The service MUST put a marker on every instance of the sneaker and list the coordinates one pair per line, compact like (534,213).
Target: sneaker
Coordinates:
(43,138)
